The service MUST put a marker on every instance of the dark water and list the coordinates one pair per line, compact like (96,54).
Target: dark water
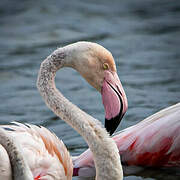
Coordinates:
(143,36)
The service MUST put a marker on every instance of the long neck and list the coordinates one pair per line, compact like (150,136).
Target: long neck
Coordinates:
(20,169)
(104,150)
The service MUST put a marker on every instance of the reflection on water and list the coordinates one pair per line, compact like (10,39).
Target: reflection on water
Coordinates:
(143,36)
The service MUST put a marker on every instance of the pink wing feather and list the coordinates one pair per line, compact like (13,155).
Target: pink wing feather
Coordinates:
(154,141)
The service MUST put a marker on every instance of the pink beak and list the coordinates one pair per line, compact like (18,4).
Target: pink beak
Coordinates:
(114,100)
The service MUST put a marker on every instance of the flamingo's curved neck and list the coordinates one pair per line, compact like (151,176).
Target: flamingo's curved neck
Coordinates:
(20,168)
(104,150)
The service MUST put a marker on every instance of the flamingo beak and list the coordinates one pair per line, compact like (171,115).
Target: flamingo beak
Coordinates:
(114,100)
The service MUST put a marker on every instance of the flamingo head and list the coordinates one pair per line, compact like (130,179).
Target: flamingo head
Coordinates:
(96,64)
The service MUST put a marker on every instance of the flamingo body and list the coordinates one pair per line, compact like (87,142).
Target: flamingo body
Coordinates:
(46,155)
(154,142)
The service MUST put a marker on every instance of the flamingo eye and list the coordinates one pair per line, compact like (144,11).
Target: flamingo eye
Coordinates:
(105,66)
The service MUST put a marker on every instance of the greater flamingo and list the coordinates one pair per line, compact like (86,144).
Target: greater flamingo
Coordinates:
(154,142)
(46,155)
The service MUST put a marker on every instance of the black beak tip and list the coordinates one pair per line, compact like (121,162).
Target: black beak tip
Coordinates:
(108,126)
(112,124)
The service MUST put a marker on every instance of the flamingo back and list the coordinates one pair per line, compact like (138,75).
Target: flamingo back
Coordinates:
(154,141)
